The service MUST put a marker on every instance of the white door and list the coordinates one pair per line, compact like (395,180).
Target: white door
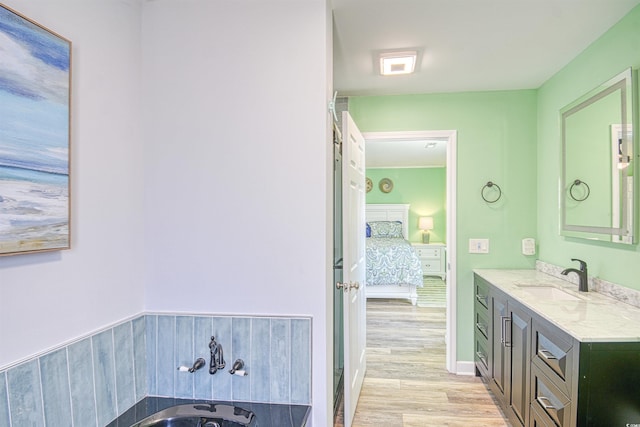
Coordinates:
(353,236)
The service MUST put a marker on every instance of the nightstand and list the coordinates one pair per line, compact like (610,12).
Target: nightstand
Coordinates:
(433,257)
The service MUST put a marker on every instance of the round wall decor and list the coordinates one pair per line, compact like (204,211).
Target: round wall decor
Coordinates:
(386,185)
(369,184)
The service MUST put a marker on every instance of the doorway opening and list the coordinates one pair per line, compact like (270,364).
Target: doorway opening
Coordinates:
(450,139)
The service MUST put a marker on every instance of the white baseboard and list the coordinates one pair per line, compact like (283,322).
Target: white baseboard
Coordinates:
(465,368)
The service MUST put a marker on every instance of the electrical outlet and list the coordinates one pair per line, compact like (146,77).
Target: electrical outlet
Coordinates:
(478,246)
(528,246)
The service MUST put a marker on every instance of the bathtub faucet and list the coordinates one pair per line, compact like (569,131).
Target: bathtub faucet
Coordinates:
(217,357)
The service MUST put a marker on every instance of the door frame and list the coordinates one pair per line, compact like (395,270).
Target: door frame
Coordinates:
(452,138)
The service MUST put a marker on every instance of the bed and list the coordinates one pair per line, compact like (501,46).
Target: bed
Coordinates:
(393,267)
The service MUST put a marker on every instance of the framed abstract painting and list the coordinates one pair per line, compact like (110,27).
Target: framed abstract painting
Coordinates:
(35,137)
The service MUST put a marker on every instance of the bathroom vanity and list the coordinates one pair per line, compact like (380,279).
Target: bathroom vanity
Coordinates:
(553,356)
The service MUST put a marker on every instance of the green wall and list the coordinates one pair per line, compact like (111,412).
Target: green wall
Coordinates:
(425,189)
(513,138)
(496,141)
(616,50)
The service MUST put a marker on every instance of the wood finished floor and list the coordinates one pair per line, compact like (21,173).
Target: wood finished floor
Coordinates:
(406,384)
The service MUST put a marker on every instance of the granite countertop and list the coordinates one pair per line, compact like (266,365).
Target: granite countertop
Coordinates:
(593,317)
(267,414)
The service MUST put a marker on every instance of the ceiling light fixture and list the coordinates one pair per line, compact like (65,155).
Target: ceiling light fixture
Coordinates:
(393,63)
(430,145)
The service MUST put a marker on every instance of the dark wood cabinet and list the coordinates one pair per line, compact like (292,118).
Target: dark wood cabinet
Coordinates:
(544,377)
(518,361)
(499,316)
(482,331)
(502,341)
(509,356)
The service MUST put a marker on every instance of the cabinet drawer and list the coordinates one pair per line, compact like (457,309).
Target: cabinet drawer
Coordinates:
(481,292)
(430,266)
(482,322)
(553,353)
(548,400)
(539,418)
(429,252)
(481,355)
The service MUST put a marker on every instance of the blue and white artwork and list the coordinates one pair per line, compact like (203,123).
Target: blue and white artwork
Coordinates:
(34,136)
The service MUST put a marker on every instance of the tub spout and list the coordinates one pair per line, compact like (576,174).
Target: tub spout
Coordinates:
(217,356)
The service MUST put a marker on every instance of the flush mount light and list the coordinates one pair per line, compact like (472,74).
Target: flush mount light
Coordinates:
(392,63)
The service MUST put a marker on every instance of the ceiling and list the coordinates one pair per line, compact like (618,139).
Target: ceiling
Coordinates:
(464,45)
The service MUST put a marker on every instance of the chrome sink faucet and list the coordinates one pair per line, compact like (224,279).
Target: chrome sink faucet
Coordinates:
(583,279)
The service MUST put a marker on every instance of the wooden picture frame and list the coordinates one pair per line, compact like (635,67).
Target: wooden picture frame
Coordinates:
(35,136)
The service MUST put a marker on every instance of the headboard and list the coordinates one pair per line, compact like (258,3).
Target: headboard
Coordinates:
(390,212)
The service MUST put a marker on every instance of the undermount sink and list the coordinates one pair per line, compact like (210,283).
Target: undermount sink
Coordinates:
(549,293)
(200,415)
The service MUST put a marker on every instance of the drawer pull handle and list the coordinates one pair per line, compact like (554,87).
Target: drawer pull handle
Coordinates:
(481,328)
(559,365)
(482,299)
(546,355)
(506,331)
(552,411)
(482,358)
(546,404)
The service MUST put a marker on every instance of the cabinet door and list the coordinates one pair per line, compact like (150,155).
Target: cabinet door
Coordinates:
(499,320)
(518,352)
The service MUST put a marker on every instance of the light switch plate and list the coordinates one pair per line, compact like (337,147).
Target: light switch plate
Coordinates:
(478,246)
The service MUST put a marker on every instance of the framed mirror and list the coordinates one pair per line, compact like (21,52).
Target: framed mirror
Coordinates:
(597,177)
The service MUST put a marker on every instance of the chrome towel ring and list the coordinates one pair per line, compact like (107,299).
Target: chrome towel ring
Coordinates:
(576,183)
(491,185)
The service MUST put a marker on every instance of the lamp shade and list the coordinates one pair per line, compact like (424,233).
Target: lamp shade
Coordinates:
(425,223)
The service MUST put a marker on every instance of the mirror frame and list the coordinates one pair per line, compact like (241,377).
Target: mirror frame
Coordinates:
(625,232)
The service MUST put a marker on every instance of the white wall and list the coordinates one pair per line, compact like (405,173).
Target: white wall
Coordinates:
(238,163)
(48,299)
(200,174)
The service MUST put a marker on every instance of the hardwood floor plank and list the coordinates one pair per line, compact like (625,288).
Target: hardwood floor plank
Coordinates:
(406,384)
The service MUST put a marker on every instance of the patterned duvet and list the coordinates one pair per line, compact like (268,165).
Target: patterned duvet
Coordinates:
(392,261)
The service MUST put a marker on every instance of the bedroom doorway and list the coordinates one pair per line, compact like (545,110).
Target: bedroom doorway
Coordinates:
(396,146)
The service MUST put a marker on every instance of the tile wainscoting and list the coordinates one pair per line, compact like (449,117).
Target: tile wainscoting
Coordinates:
(93,380)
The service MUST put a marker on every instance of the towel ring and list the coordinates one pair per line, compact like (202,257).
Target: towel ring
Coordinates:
(575,183)
(490,185)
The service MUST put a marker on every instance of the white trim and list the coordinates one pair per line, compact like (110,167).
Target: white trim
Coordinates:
(466,368)
(452,254)
(452,138)
(417,135)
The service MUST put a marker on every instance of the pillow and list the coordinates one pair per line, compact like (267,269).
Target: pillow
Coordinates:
(368,230)
(386,229)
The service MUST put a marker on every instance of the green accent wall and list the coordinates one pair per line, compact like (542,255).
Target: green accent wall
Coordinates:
(513,139)
(425,189)
(615,51)
(496,141)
